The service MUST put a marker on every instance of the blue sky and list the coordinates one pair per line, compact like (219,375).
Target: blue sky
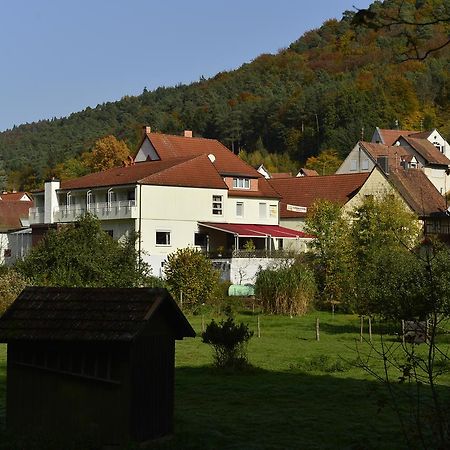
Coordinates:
(60,56)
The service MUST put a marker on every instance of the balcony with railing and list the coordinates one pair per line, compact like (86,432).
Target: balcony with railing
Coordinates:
(126,209)
(104,211)
(36,215)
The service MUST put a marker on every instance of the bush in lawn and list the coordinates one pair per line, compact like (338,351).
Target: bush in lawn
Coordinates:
(11,284)
(229,341)
(285,290)
(190,275)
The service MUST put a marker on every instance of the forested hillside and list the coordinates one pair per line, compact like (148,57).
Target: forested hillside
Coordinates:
(329,88)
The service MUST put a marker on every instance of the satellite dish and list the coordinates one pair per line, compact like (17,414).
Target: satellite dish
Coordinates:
(211,157)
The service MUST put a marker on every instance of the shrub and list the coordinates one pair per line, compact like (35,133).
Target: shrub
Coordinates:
(285,290)
(229,341)
(11,285)
(189,274)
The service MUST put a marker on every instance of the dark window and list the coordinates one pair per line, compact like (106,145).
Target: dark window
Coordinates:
(163,238)
(7,253)
(201,239)
(132,195)
(110,232)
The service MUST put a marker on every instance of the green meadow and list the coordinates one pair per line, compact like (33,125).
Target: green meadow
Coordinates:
(300,394)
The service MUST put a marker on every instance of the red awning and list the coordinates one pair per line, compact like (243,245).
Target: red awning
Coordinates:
(251,230)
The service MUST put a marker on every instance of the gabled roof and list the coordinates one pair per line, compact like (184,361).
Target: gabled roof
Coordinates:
(418,191)
(307,172)
(304,191)
(191,171)
(15,196)
(226,162)
(89,314)
(11,213)
(389,137)
(394,153)
(427,150)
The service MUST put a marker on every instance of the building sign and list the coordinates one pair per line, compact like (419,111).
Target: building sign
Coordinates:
(295,208)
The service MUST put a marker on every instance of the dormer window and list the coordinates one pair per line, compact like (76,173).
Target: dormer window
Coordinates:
(241,183)
(438,146)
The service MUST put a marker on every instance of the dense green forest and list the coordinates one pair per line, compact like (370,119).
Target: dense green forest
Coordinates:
(326,90)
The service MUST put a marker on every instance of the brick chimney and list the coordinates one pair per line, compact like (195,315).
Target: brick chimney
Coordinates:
(188,133)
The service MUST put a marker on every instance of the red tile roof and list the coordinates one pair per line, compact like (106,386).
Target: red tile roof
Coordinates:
(418,191)
(11,212)
(226,162)
(14,196)
(308,172)
(427,150)
(184,162)
(281,175)
(389,137)
(395,153)
(304,191)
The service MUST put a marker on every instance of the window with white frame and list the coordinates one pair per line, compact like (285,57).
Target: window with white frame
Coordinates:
(90,199)
(241,183)
(262,210)
(69,199)
(365,164)
(112,197)
(239,209)
(353,164)
(163,237)
(217,205)
(273,210)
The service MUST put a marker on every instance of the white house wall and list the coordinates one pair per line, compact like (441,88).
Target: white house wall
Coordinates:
(439,178)
(356,161)
(178,211)
(145,151)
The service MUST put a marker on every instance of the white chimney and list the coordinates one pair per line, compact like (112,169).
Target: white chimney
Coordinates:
(188,133)
(147,130)
(50,199)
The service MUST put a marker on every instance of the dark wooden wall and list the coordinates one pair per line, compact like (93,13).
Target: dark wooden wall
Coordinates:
(48,401)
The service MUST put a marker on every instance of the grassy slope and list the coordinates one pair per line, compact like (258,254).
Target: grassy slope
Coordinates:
(278,405)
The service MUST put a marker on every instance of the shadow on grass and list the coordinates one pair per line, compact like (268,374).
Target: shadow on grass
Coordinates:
(262,409)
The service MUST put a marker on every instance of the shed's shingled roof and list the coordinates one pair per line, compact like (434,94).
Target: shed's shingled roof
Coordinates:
(304,191)
(89,314)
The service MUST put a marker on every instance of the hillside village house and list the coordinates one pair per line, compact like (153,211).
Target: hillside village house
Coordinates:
(179,191)
(349,190)
(427,151)
(15,234)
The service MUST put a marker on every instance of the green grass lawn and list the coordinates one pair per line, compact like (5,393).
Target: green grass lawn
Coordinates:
(302,394)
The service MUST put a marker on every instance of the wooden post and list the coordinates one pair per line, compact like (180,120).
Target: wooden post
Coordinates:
(181,299)
(403,332)
(317,329)
(332,309)
(370,329)
(361,329)
(258,324)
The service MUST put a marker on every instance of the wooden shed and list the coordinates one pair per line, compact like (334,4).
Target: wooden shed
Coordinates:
(92,362)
